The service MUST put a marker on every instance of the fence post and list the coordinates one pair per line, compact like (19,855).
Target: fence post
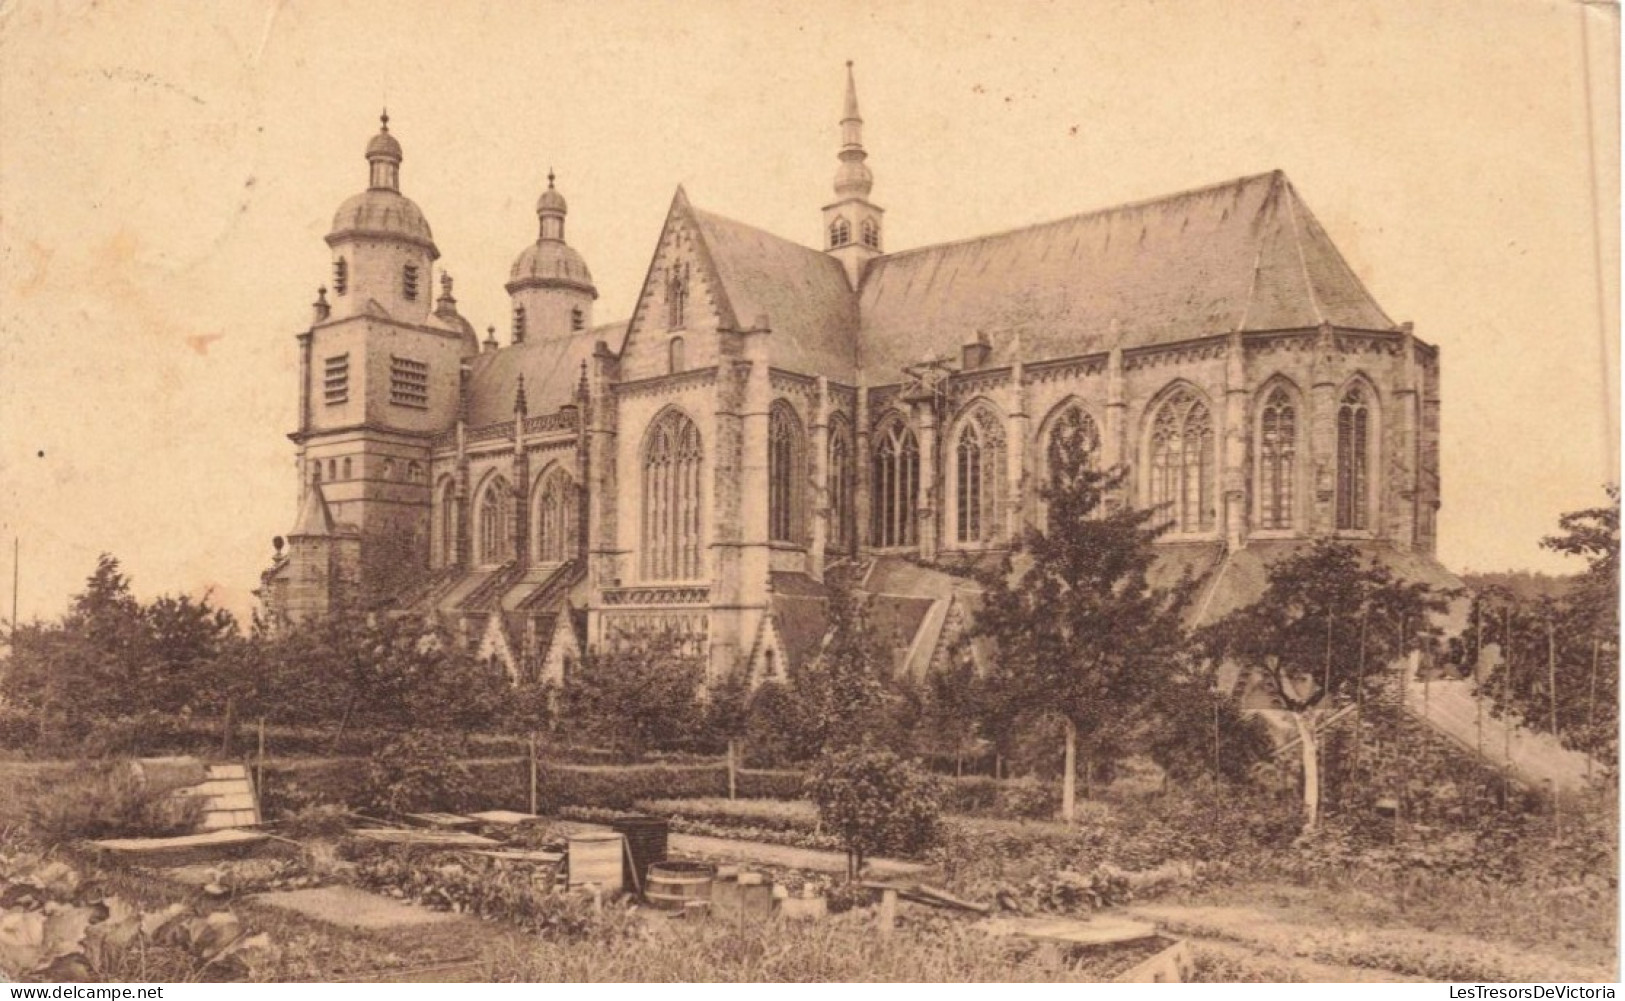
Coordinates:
(259,765)
(533,803)
(733,765)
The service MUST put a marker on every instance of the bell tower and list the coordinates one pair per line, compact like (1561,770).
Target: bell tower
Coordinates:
(852,223)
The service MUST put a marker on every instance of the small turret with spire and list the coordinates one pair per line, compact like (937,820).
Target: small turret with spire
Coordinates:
(852,223)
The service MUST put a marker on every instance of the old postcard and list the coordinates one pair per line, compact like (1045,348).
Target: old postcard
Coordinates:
(1109,492)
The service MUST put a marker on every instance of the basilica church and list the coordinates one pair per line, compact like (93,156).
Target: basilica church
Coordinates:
(768,411)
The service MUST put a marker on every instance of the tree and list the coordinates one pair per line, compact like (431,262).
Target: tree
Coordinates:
(1082,630)
(847,692)
(1557,668)
(641,693)
(1327,623)
(876,802)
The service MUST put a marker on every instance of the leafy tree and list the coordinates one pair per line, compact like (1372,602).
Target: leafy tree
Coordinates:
(1082,631)
(1555,662)
(952,710)
(775,726)
(847,693)
(1327,624)
(639,694)
(876,802)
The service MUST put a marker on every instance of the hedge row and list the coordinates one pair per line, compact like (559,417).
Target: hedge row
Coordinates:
(505,785)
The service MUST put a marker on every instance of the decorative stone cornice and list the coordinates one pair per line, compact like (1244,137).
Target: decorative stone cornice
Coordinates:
(666,383)
(657,596)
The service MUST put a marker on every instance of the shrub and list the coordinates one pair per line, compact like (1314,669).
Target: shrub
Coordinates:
(1028,799)
(877,803)
(107,800)
(419,770)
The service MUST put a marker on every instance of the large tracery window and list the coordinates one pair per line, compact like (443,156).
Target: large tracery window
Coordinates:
(1182,462)
(557,515)
(896,485)
(1277,458)
(1353,461)
(496,540)
(840,484)
(671,500)
(979,477)
(786,477)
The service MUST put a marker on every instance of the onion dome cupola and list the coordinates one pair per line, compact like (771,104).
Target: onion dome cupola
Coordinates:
(852,223)
(382,247)
(550,284)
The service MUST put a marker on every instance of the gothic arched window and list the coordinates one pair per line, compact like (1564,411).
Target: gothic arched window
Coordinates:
(341,276)
(578,319)
(869,231)
(786,479)
(495,538)
(896,484)
(346,468)
(980,477)
(1277,459)
(840,484)
(1071,424)
(409,281)
(518,324)
(1354,461)
(675,360)
(1182,462)
(671,499)
(446,525)
(677,296)
(556,518)
(840,232)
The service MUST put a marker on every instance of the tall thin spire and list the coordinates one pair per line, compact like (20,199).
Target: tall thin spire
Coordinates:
(852,178)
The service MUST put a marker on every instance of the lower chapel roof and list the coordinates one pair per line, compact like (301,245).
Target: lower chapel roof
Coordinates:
(551,368)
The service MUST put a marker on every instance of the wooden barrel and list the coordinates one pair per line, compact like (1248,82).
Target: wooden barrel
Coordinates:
(673,885)
(596,858)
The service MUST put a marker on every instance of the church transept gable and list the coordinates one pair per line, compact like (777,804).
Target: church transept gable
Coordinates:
(681,307)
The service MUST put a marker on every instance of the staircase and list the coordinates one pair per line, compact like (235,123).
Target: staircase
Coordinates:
(1534,757)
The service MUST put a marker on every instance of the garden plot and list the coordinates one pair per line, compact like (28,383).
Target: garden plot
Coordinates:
(348,907)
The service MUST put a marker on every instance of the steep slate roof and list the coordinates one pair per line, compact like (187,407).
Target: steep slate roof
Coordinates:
(1243,255)
(803,292)
(551,367)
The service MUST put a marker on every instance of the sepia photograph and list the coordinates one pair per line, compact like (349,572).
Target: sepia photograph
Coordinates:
(1110,491)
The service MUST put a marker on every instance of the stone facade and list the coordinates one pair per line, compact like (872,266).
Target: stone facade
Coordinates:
(771,409)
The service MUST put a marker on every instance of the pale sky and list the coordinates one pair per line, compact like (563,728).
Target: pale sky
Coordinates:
(167,172)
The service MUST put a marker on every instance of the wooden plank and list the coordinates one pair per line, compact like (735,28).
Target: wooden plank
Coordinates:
(205,840)
(521,855)
(1098,930)
(509,817)
(228,771)
(451,820)
(219,787)
(424,836)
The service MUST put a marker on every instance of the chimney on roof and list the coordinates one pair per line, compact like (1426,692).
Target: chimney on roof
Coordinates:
(976,351)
